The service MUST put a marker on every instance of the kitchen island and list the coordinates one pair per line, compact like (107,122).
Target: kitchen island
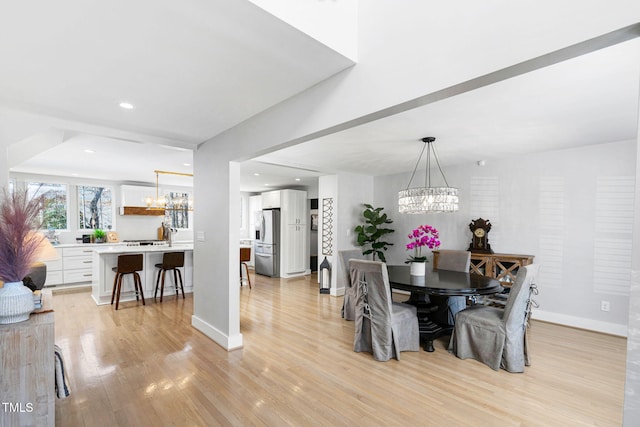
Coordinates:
(105,258)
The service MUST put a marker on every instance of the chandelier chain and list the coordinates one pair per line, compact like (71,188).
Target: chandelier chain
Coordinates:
(435,156)
(416,167)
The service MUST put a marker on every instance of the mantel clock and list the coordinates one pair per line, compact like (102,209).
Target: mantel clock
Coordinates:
(480,240)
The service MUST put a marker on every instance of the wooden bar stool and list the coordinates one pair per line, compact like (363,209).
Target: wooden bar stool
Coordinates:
(245,255)
(127,264)
(170,261)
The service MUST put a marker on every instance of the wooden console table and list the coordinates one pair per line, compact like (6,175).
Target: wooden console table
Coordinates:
(503,267)
(27,387)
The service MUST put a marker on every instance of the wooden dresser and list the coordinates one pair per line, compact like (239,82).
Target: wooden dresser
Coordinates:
(503,267)
(27,386)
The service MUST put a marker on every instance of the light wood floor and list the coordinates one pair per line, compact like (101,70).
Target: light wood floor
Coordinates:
(146,366)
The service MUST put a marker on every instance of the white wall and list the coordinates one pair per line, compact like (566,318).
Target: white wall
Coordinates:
(245,232)
(216,255)
(632,384)
(354,191)
(567,250)
(349,193)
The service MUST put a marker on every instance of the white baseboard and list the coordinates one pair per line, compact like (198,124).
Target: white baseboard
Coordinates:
(337,292)
(291,275)
(581,322)
(225,341)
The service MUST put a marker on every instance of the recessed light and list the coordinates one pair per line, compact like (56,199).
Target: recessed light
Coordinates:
(126,106)
(266,185)
(186,164)
(256,174)
(90,151)
(74,174)
(297,179)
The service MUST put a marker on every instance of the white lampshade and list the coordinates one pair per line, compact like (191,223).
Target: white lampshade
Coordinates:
(45,250)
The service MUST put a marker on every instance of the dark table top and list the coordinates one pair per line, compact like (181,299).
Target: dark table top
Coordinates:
(442,282)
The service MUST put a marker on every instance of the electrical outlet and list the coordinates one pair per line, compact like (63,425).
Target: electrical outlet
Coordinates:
(604,306)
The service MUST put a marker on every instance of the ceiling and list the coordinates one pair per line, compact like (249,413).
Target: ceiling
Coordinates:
(190,69)
(194,71)
(591,99)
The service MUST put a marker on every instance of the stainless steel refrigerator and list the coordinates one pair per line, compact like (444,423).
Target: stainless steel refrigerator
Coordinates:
(267,251)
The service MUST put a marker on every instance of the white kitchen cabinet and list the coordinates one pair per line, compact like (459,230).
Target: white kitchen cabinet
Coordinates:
(76,264)
(294,233)
(54,270)
(294,207)
(271,199)
(295,251)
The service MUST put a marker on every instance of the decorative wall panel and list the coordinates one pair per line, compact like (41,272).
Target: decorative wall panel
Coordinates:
(327,226)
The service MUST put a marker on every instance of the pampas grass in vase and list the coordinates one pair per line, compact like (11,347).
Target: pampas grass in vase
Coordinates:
(19,242)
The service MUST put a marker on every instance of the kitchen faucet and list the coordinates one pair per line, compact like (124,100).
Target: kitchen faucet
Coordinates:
(171,231)
(167,233)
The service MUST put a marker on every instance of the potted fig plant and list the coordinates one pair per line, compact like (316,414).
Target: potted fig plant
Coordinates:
(370,235)
(19,244)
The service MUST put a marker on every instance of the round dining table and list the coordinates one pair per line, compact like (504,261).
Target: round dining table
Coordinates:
(442,282)
(429,294)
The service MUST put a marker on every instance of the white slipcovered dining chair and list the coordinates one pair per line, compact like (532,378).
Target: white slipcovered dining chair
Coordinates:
(495,336)
(349,301)
(451,260)
(382,327)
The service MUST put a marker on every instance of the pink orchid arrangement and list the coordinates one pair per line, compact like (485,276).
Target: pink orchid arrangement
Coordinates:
(424,235)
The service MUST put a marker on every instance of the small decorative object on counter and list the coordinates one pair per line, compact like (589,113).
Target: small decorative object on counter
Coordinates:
(99,235)
(53,236)
(423,236)
(112,237)
(325,276)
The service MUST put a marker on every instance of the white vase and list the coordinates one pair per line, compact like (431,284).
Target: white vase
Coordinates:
(16,303)
(418,268)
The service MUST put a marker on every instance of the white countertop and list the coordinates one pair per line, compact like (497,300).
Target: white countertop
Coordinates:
(122,249)
(82,245)
(100,245)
